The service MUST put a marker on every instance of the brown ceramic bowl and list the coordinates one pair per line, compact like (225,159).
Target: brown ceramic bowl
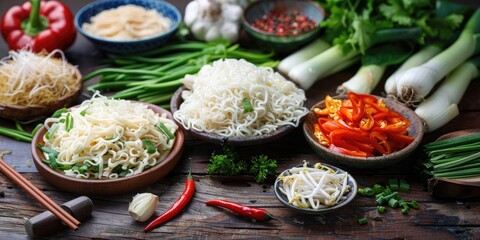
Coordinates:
(94,187)
(24,113)
(177,100)
(416,130)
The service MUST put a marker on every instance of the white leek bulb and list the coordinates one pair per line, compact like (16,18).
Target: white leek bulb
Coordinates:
(441,106)
(143,206)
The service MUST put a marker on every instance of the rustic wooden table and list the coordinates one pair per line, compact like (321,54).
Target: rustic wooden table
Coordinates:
(436,218)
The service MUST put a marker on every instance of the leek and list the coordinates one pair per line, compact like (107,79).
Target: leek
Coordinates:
(415,84)
(448,95)
(374,64)
(308,72)
(365,80)
(309,51)
(425,54)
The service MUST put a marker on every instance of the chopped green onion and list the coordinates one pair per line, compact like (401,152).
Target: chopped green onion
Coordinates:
(149,146)
(363,220)
(361,191)
(387,198)
(165,130)
(59,112)
(414,204)
(378,188)
(84,111)
(380,209)
(405,210)
(51,131)
(52,157)
(69,122)
(369,191)
(404,186)
(247,106)
(393,203)
(124,173)
(393,184)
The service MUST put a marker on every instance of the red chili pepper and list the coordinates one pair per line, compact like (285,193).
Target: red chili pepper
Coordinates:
(358,107)
(346,126)
(348,152)
(177,207)
(39,25)
(380,143)
(256,214)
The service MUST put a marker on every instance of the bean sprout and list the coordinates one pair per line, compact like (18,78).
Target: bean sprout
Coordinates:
(314,187)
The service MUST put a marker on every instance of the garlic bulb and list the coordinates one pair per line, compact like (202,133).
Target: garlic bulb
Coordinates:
(143,206)
(211,20)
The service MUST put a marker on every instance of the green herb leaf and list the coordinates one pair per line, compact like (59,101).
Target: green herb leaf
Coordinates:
(262,167)
(387,54)
(227,163)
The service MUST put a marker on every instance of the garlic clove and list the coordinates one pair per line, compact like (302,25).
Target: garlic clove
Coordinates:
(143,206)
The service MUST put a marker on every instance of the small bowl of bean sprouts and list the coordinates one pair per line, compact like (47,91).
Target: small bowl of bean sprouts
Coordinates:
(315,189)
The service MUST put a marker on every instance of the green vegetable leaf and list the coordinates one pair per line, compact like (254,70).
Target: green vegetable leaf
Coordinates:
(262,167)
(387,54)
(227,163)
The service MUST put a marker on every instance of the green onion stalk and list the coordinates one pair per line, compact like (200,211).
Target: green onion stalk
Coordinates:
(155,75)
(454,158)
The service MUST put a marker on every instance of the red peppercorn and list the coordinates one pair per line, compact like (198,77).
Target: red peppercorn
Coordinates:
(284,23)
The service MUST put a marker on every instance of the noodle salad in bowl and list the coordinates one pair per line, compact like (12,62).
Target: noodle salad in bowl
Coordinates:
(107,139)
(234,98)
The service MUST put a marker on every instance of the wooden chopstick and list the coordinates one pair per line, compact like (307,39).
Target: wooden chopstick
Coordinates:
(38,195)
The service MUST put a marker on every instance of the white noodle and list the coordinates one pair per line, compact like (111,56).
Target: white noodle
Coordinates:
(127,22)
(213,102)
(107,135)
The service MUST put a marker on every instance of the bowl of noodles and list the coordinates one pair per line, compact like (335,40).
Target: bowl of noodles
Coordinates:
(34,85)
(128,26)
(236,103)
(106,147)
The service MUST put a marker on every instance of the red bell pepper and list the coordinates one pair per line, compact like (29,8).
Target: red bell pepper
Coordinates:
(39,25)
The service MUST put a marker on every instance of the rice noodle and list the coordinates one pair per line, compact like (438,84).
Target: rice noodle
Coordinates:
(128,22)
(27,78)
(213,101)
(108,134)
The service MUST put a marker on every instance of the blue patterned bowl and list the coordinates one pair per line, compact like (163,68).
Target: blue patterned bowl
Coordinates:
(128,46)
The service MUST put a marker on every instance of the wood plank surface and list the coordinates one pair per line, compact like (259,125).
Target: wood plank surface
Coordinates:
(436,218)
